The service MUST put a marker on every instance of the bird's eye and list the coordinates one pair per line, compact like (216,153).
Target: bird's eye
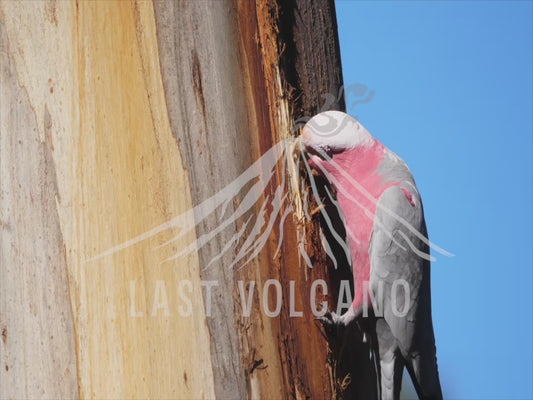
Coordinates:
(323,151)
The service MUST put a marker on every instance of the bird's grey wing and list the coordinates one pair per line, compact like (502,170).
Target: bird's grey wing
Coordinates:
(400,262)
(399,259)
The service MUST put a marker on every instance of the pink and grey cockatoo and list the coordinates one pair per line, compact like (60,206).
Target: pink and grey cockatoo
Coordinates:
(386,232)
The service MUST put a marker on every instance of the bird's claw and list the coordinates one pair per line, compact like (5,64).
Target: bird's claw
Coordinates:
(332,324)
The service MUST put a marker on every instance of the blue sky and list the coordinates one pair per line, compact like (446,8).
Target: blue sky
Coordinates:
(453,97)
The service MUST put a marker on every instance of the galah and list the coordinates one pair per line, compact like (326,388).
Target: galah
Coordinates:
(389,249)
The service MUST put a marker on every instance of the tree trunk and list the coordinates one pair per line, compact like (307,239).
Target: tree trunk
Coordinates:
(116,118)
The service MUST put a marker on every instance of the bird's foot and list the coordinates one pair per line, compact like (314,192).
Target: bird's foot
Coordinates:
(333,324)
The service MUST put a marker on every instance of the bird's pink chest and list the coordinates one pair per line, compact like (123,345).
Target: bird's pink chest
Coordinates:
(358,194)
(359,216)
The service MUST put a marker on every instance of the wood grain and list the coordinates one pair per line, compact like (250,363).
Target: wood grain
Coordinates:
(91,79)
(116,117)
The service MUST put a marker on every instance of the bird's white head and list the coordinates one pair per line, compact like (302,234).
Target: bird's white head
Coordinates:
(334,132)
